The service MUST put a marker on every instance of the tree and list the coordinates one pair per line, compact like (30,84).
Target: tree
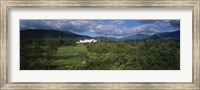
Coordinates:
(50,48)
(30,52)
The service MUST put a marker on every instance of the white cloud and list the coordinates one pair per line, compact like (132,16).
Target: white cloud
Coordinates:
(118,22)
(108,27)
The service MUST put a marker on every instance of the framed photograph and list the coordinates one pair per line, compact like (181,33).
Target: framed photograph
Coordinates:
(103,44)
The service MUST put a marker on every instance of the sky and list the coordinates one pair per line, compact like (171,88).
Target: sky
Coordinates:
(110,28)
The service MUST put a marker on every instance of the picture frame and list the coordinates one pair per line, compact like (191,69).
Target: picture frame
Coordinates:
(4,43)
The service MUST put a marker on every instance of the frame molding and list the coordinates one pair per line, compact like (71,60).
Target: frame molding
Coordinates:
(6,4)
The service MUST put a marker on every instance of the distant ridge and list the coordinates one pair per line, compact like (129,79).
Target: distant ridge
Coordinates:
(108,38)
(137,37)
(174,35)
(50,33)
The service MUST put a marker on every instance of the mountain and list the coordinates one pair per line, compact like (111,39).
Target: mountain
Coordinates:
(174,35)
(137,37)
(112,39)
(41,33)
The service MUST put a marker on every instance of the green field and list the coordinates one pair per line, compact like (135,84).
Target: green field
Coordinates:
(67,55)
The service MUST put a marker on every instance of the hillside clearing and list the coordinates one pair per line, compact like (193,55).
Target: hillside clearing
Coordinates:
(67,55)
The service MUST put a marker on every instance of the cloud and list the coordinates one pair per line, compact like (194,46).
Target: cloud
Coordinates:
(121,31)
(175,23)
(170,23)
(106,28)
(142,29)
(145,27)
(118,22)
(148,21)
(100,27)
(33,24)
(69,25)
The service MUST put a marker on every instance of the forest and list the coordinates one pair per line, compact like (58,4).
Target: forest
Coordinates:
(61,54)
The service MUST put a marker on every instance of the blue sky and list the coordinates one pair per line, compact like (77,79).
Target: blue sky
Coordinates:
(109,28)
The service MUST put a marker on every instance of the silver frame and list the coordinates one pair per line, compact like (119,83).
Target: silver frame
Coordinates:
(7,4)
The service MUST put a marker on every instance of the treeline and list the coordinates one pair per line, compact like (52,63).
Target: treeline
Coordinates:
(36,54)
(147,55)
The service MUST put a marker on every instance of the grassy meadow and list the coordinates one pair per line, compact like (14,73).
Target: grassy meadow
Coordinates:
(67,55)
